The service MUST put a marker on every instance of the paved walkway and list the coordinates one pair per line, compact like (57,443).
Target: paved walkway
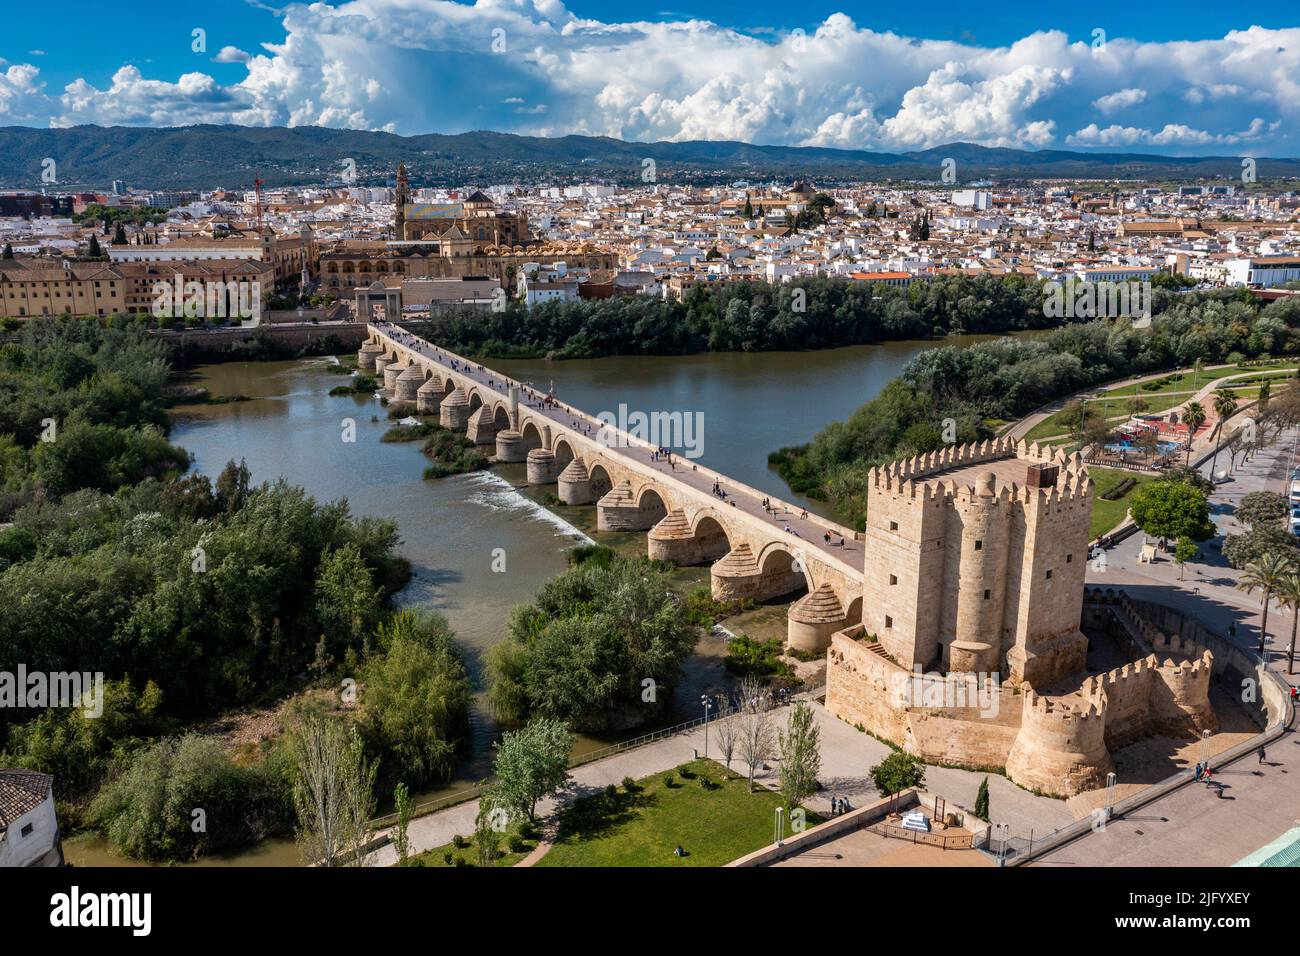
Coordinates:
(847,757)
(786,520)
(1193,825)
(437,829)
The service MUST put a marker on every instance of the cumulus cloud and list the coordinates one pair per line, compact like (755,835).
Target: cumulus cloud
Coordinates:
(532,66)
(231,54)
(1119,100)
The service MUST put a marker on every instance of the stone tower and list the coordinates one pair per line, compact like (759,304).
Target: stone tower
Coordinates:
(975,560)
(401,198)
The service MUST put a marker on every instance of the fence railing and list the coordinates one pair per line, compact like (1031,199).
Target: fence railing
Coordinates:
(946,841)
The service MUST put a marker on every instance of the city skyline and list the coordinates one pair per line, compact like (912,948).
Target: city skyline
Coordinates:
(843,78)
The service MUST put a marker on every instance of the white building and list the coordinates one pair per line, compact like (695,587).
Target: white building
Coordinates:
(1263,271)
(553,283)
(29,830)
(976,198)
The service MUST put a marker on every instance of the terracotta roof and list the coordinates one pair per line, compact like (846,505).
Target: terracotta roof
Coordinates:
(21,791)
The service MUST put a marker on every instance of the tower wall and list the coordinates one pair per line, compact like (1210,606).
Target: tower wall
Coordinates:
(978,539)
(1060,749)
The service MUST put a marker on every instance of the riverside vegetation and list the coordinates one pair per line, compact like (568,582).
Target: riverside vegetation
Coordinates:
(979,387)
(194,600)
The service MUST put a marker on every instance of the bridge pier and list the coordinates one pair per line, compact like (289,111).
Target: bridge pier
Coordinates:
(737,575)
(619,511)
(541,466)
(813,619)
(366,356)
(381,363)
(408,384)
(575,484)
(672,539)
(453,413)
(510,446)
(481,429)
(428,397)
(391,371)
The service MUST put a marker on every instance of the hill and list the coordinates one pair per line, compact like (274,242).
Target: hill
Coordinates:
(232,156)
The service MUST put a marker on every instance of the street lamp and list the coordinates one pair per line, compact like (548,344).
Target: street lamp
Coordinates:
(707,702)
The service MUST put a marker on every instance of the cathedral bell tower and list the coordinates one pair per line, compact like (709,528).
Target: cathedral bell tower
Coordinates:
(401,199)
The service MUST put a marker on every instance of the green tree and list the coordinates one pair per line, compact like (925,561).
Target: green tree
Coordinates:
(401,830)
(897,772)
(530,764)
(982,800)
(92,248)
(487,836)
(1261,508)
(415,707)
(347,601)
(179,798)
(1288,595)
(1266,575)
(1172,510)
(333,791)
(1184,551)
(8,252)
(1193,418)
(1225,405)
(1243,549)
(799,747)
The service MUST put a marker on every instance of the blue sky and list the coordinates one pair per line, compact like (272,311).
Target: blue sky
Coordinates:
(1178,78)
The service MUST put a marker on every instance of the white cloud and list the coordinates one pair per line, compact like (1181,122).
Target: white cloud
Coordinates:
(1120,100)
(429,65)
(231,54)
(1172,134)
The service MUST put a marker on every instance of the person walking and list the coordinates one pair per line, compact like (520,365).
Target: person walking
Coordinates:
(1261,756)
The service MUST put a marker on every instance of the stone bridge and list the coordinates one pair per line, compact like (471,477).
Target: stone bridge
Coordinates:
(754,551)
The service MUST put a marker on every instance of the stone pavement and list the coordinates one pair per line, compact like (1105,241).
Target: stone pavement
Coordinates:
(1194,825)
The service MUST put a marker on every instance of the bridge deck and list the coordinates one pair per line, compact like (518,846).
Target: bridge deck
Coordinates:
(786,518)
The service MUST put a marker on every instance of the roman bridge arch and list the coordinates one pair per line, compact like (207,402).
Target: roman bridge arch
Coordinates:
(750,556)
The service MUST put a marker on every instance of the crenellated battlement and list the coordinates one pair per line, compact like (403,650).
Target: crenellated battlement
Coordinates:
(1164,645)
(1046,710)
(926,479)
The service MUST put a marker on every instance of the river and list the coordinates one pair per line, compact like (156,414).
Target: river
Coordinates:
(748,403)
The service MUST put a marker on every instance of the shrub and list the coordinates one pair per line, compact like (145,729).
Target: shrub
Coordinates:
(153,808)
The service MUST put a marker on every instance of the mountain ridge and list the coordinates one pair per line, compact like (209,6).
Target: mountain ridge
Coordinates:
(206,156)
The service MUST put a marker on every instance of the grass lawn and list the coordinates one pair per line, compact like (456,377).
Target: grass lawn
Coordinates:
(1107,514)
(643,827)
(1187,381)
(468,854)
(1180,388)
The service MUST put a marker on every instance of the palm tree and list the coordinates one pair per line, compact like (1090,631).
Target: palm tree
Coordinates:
(1266,574)
(1225,403)
(1193,418)
(1288,595)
